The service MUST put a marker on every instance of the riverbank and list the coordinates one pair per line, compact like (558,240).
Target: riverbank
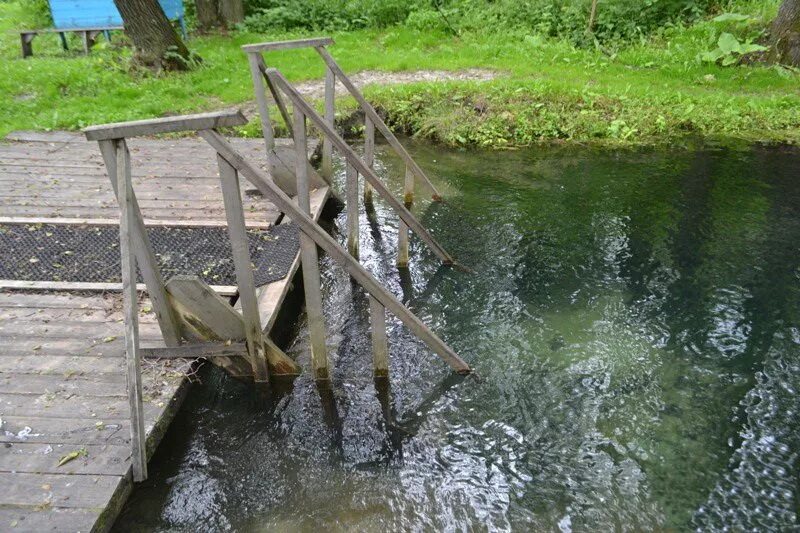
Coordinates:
(653,92)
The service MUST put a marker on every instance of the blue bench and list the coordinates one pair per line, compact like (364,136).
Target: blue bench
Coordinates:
(90,18)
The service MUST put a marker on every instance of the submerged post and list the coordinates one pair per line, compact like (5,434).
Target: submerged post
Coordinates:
(380,346)
(369,156)
(127,221)
(308,255)
(351,198)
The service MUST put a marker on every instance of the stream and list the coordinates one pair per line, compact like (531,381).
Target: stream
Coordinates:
(633,317)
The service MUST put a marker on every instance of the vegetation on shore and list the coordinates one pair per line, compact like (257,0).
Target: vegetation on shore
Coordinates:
(652,89)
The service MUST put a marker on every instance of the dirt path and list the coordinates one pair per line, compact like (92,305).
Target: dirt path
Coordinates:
(315,89)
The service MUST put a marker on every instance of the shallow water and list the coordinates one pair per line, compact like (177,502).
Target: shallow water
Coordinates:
(634,317)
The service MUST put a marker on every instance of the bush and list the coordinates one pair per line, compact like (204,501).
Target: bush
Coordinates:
(38,12)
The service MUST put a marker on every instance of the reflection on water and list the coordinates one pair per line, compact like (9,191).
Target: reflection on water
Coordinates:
(634,318)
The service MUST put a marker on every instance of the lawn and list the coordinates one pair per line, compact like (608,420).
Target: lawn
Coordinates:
(650,92)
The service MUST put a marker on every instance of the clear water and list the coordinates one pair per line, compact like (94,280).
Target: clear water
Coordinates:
(634,317)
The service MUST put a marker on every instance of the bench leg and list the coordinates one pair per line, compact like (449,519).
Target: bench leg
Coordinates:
(63,41)
(87,39)
(25,40)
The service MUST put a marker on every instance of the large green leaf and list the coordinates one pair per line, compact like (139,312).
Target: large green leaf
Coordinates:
(731,17)
(728,44)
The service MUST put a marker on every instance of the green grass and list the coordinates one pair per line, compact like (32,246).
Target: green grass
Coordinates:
(649,92)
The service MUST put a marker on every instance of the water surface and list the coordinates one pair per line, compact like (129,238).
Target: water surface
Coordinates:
(633,316)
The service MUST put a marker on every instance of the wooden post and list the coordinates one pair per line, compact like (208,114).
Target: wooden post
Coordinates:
(592,15)
(402,227)
(308,255)
(310,228)
(263,109)
(352,210)
(330,117)
(369,155)
(26,42)
(86,41)
(146,259)
(131,309)
(380,346)
(63,37)
(244,270)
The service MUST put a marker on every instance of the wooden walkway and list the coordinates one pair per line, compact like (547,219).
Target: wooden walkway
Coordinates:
(62,365)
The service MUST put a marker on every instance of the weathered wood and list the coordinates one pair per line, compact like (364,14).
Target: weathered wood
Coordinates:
(286,45)
(330,117)
(308,255)
(309,227)
(195,351)
(145,257)
(254,224)
(127,221)
(379,123)
(243,268)
(225,290)
(352,210)
(201,121)
(72,431)
(402,228)
(380,346)
(63,491)
(267,131)
(36,458)
(361,167)
(262,67)
(109,385)
(369,155)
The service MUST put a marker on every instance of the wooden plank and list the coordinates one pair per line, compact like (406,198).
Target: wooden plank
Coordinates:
(244,269)
(224,290)
(360,166)
(112,385)
(127,222)
(263,109)
(287,45)
(330,117)
(379,123)
(56,490)
(195,351)
(114,154)
(40,458)
(62,365)
(48,518)
(308,258)
(380,344)
(351,187)
(66,430)
(201,121)
(202,311)
(251,224)
(276,95)
(309,227)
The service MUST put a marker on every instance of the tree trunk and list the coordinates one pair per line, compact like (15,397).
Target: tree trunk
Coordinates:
(231,12)
(785,34)
(207,14)
(154,39)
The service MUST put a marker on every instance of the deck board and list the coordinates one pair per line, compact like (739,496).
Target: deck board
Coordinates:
(62,365)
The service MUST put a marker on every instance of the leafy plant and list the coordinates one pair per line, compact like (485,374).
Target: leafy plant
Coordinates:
(729,50)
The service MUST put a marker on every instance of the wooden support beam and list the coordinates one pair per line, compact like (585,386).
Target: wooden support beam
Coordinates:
(369,156)
(310,228)
(380,345)
(262,67)
(133,368)
(351,195)
(201,121)
(330,117)
(308,255)
(360,166)
(26,40)
(205,350)
(402,228)
(286,45)
(145,257)
(243,267)
(379,123)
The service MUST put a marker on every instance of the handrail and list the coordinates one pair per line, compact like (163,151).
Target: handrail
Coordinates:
(352,158)
(136,128)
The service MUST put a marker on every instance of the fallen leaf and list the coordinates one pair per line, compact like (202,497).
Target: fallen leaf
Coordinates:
(71,456)
(112,338)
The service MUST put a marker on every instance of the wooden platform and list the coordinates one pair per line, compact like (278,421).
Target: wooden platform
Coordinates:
(62,376)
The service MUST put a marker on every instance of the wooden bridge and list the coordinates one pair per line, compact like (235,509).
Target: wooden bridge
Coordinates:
(90,377)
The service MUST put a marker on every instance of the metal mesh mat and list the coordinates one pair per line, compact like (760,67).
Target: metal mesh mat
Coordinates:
(54,252)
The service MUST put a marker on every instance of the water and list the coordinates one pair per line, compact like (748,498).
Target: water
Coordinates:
(634,317)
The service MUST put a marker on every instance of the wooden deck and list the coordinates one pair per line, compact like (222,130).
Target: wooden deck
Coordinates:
(62,364)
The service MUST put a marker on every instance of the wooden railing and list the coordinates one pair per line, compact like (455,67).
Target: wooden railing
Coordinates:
(333,72)
(135,248)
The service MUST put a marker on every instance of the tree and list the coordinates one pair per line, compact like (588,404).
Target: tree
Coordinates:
(215,13)
(156,42)
(785,34)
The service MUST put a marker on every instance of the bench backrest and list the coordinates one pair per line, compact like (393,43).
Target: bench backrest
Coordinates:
(99,13)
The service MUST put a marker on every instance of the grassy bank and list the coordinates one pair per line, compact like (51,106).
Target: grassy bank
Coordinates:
(653,91)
